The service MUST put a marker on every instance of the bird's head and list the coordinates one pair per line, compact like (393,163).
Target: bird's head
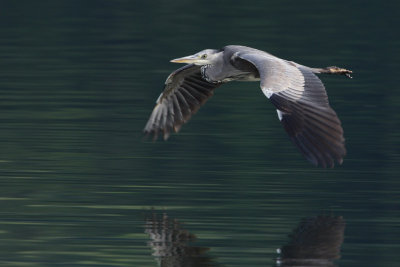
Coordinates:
(204,57)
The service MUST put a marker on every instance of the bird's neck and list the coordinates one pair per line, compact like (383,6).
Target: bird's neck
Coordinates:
(204,73)
(214,72)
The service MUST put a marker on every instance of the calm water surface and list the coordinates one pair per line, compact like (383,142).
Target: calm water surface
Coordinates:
(80,187)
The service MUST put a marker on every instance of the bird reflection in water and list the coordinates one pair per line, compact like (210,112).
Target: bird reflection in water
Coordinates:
(316,241)
(171,244)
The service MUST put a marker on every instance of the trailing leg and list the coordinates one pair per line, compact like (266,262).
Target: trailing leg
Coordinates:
(334,70)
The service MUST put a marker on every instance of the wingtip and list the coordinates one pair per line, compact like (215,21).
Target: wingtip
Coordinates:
(166,135)
(331,164)
(148,133)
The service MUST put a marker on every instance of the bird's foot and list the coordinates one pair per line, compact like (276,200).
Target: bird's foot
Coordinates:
(336,70)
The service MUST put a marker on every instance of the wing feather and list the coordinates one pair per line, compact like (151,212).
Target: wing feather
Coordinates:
(303,107)
(185,91)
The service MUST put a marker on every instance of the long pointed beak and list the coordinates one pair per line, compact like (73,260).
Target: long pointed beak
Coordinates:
(188,59)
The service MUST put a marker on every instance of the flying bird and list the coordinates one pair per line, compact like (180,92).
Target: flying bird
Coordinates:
(297,93)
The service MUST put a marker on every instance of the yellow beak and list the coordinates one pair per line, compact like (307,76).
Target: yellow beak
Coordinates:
(188,59)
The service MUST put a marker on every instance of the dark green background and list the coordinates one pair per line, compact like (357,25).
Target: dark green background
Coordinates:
(78,80)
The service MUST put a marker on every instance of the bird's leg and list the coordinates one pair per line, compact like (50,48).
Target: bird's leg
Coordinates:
(335,70)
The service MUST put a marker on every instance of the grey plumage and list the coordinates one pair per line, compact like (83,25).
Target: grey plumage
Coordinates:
(184,92)
(297,93)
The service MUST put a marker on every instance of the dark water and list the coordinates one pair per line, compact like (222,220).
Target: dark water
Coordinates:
(78,81)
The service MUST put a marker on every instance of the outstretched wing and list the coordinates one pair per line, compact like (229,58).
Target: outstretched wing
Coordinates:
(302,107)
(184,92)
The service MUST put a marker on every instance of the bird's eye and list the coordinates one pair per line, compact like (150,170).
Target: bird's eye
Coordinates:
(204,56)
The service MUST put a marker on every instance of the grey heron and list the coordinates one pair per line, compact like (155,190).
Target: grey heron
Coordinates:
(297,93)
